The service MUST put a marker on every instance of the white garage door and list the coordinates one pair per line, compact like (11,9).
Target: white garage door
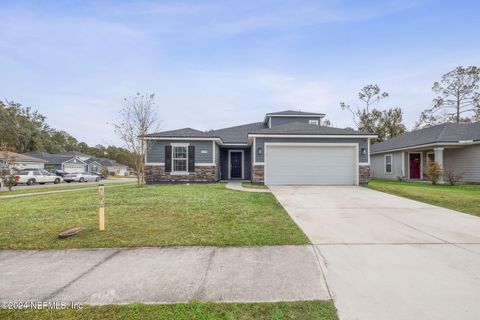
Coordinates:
(73,168)
(310,165)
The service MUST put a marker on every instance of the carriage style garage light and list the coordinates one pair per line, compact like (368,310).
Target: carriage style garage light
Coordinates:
(259,151)
(363,151)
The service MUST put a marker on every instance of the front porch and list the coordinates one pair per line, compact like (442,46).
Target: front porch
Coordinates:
(235,163)
(414,162)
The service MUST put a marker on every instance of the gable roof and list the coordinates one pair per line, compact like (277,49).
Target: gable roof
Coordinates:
(74,154)
(442,133)
(19,157)
(238,134)
(181,133)
(299,128)
(50,158)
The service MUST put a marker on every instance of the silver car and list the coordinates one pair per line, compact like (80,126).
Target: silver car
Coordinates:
(81,177)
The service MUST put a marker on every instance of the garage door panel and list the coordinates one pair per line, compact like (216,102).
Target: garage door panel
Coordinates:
(74,168)
(310,165)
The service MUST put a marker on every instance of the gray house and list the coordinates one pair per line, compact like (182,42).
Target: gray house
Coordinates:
(286,148)
(61,162)
(456,147)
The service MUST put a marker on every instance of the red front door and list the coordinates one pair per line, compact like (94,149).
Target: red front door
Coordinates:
(415,165)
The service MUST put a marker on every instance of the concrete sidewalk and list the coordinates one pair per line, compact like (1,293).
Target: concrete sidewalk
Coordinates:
(163,275)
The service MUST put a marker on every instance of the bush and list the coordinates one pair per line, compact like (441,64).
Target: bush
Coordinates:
(451,176)
(433,171)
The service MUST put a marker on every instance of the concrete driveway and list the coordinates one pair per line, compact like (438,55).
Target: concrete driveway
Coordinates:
(387,257)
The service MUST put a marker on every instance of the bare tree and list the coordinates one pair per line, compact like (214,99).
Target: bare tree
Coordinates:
(386,124)
(137,118)
(8,167)
(457,100)
(369,95)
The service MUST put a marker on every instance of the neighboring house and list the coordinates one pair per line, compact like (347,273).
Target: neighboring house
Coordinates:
(79,155)
(453,146)
(22,161)
(286,148)
(59,162)
(93,165)
(113,167)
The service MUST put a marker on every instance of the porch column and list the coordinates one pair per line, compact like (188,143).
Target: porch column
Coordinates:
(439,159)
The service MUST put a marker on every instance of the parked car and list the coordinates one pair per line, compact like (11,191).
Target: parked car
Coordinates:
(101,175)
(30,177)
(59,173)
(81,177)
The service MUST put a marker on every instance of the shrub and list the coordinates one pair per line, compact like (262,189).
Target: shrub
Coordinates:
(451,176)
(433,171)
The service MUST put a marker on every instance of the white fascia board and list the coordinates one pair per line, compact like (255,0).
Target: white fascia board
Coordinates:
(255,135)
(74,158)
(426,146)
(184,139)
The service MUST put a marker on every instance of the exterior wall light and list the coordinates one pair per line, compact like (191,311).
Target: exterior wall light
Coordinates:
(259,151)
(363,151)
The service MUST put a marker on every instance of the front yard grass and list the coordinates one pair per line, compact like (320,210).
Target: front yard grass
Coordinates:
(64,186)
(253,186)
(149,216)
(463,198)
(319,310)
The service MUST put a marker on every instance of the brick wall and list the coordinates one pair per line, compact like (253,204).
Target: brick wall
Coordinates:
(258,174)
(156,174)
(363,174)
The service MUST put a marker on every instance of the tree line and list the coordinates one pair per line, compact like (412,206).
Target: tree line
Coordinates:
(457,100)
(23,129)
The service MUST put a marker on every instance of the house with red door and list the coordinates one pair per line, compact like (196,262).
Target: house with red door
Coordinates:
(454,146)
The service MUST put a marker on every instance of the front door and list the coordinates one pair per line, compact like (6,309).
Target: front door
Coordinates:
(415,160)
(235,165)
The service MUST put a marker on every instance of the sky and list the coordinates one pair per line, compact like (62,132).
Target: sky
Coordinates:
(214,64)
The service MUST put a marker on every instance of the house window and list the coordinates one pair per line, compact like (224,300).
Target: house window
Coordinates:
(430,157)
(388,163)
(315,122)
(179,158)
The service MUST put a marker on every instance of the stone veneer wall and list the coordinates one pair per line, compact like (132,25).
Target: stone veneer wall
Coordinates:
(363,174)
(157,174)
(258,174)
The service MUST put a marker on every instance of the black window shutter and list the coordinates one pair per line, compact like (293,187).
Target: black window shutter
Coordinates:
(191,158)
(168,158)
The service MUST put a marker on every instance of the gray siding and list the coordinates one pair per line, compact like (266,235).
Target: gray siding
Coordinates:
(465,161)
(377,166)
(362,143)
(156,152)
(278,121)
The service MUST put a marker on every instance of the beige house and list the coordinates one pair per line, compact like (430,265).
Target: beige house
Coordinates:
(455,147)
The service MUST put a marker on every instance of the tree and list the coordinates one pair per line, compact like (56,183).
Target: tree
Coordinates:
(385,123)
(8,167)
(457,100)
(137,118)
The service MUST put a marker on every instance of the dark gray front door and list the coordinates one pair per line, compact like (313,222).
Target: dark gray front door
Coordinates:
(235,165)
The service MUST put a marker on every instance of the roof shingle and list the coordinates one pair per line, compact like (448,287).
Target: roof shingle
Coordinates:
(446,132)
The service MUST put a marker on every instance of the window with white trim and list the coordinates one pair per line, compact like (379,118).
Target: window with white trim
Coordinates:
(315,122)
(388,163)
(179,158)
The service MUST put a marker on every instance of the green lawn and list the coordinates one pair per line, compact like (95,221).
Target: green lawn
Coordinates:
(464,198)
(253,186)
(167,215)
(63,186)
(319,310)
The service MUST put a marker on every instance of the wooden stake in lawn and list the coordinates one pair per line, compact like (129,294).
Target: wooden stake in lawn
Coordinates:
(101,211)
